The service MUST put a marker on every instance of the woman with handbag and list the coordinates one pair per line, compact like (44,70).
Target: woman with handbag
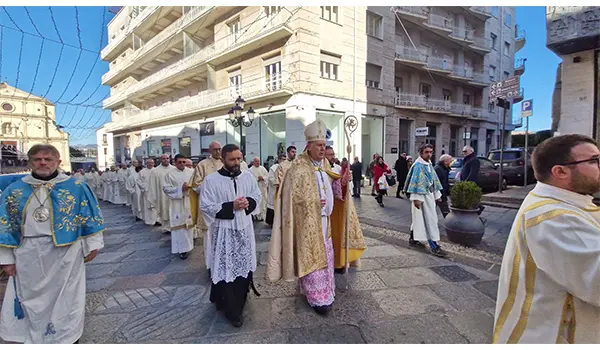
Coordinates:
(380,170)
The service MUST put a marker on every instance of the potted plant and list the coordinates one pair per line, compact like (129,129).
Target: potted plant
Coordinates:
(463,224)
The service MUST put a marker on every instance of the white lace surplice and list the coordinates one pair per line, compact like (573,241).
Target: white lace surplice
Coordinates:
(233,245)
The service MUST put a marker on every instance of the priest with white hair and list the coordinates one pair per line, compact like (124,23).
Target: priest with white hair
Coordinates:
(261,175)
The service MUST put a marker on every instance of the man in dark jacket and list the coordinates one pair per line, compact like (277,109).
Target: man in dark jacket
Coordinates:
(356,169)
(442,169)
(470,168)
(401,168)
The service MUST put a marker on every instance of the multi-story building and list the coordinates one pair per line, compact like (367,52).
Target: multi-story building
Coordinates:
(573,33)
(175,72)
(27,120)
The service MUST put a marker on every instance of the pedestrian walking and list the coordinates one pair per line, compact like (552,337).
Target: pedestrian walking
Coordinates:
(425,190)
(442,169)
(50,226)
(370,174)
(356,169)
(401,168)
(470,169)
(380,170)
(549,283)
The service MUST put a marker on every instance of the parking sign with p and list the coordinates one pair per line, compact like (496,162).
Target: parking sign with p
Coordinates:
(527,108)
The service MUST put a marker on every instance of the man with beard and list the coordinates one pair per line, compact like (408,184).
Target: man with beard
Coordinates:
(284,167)
(156,196)
(550,269)
(177,188)
(425,189)
(227,200)
(206,167)
(401,168)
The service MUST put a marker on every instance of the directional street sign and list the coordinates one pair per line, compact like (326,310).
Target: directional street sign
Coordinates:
(527,108)
(507,89)
(422,131)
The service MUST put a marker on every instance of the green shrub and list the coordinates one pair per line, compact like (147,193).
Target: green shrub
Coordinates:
(465,195)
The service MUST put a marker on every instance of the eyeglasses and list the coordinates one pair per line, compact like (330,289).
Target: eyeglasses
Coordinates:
(593,159)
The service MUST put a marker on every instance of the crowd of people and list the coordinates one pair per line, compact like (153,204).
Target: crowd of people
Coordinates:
(51,224)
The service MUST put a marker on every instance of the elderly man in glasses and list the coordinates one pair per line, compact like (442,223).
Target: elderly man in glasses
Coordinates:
(470,170)
(549,284)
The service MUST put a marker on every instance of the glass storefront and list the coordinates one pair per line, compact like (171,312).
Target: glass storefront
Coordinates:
(335,123)
(272,135)
(372,139)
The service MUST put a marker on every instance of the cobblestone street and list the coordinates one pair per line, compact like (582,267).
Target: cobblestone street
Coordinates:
(138,292)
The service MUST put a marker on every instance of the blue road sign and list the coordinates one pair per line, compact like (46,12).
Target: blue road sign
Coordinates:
(527,108)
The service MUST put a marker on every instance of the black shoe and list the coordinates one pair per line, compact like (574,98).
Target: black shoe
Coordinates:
(381,205)
(322,310)
(439,252)
(414,243)
(138,219)
(237,323)
(183,256)
(340,271)
(157,224)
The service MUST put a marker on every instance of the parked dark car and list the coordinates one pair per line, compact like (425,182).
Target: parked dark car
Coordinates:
(488,174)
(514,161)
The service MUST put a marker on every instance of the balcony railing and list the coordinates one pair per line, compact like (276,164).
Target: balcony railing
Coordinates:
(133,23)
(438,105)
(519,33)
(410,54)
(462,71)
(439,63)
(463,33)
(461,109)
(520,64)
(201,57)
(439,21)
(477,112)
(481,77)
(517,121)
(481,42)
(410,100)
(207,99)
(487,10)
(413,10)
(172,30)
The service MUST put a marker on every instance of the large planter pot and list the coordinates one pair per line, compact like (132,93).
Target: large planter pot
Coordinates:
(464,226)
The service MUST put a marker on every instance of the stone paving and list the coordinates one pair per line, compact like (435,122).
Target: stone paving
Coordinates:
(140,293)
(396,216)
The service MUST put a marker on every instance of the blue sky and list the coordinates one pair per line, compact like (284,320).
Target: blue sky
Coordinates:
(71,98)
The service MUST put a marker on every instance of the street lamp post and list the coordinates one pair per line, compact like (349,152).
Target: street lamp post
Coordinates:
(238,119)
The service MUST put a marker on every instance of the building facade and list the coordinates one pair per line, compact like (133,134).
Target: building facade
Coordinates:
(175,72)
(27,120)
(573,33)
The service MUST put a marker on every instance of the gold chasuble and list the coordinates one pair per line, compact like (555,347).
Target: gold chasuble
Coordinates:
(296,247)
(338,226)
(203,169)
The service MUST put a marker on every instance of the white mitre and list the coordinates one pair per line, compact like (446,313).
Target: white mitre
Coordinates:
(315,131)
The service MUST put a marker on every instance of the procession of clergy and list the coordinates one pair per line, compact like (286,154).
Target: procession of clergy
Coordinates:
(305,200)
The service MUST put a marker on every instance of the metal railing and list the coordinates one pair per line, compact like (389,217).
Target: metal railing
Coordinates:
(412,10)
(439,63)
(167,33)
(438,105)
(462,109)
(463,71)
(519,33)
(202,56)
(463,33)
(410,100)
(481,42)
(481,77)
(439,21)
(206,99)
(133,23)
(520,64)
(409,53)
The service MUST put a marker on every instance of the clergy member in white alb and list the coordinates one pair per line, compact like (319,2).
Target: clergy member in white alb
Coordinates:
(261,175)
(79,175)
(176,186)
(271,190)
(135,194)
(121,194)
(50,225)
(227,199)
(549,283)
(149,214)
(105,178)
(156,196)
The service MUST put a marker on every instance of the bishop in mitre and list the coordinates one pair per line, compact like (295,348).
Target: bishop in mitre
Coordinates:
(339,179)
(157,198)
(177,187)
(301,245)
(206,167)
(149,213)
(227,200)
(261,175)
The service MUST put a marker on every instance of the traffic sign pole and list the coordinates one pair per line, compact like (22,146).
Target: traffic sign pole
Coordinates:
(505,106)
(526,150)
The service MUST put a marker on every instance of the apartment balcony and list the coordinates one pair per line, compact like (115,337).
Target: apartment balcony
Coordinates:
(264,88)
(155,45)
(119,41)
(519,38)
(461,72)
(409,55)
(521,96)
(267,30)
(520,66)
(481,12)
(478,113)
(439,23)
(439,64)
(461,110)
(481,45)
(411,11)
(422,103)
(480,78)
